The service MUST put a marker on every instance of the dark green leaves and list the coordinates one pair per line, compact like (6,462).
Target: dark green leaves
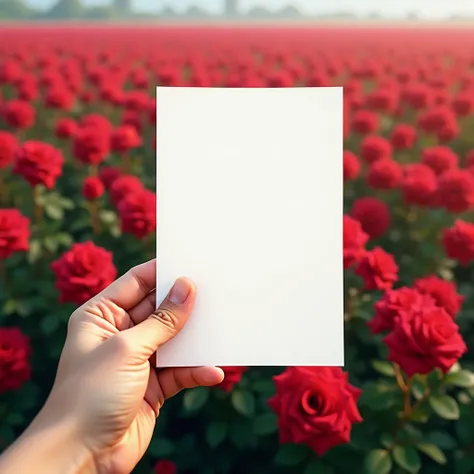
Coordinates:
(463,378)
(433,452)
(378,462)
(265,424)
(444,406)
(243,402)
(384,368)
(407,458)
(195,398)
(216,433)
(291,454)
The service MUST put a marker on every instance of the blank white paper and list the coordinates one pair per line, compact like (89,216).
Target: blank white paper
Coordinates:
(249,207)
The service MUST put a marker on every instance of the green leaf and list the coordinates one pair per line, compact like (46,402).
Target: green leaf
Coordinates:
(243,402)
(291,454)
(463,378)
(264,386)
(441,439)
(9,307)
(66,203)
(316,467)
(384,368)
(49,324)
(54,212)
(107,217)
(195,398)
(418,388)
(407,458)
(444,406)
(378,461)
(265,424)
(161,447)
(387,440)
(64,239)
(50,244)
(34,253)
(433,452)
(216,433)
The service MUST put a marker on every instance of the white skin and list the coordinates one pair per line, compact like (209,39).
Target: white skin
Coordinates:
(102,410)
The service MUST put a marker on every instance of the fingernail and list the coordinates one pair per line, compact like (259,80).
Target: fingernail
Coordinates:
(180,291)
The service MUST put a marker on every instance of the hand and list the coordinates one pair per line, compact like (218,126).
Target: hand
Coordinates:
(106,385)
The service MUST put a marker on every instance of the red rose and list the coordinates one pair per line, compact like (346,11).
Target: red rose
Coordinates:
(82,272)
(440,158)
(14,232)
(15,351)
(8,148)
(165,466)
(19,114)
(426,338)
(394,305)
(39,163)
(374,148)
(91,145)
(419,185)
(354,240)
(443,293)
(131,118)
(463,104)
(92,188)
(458,242)
(384,174)
(136,100)
(378,269)
(373,215)
(351,166)
(96,121)
(58,97)
(137,211)
(456,190)
(315,406)
(66,128)
(124,185)
(232,376)
(108,175)
(365,121)
(403,136)
(383,100)
(124,138)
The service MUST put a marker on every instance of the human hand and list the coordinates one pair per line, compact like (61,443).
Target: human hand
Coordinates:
(106,385)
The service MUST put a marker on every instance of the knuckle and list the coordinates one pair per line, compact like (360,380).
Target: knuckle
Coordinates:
(167,318)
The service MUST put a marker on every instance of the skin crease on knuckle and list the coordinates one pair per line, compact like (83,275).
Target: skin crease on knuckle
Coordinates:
(167,319)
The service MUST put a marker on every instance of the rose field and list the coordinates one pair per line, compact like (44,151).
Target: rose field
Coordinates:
(77,209)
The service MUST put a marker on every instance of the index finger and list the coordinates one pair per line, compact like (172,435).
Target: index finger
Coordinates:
(131,287)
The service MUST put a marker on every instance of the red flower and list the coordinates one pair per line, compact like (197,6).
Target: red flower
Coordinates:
(316,406)
(92,188)
(124,138)
(354,240)
(91,145)
(124,185)
(383,100)
(232,376)
(456,190)
(19,114)
(58,97)
(373,215)
(384,174)
(108,174)
(96,121)
(165,466)
(365,121)
(8,148)
(458,242)
(137,212)
(443,293)
(39,163)
(66,128)
(374,148)
(419,185)
(351,166)
(378,269)
(426,338)
(14,232)
(403,136)
(82,272)
(394,305)
(440,158)
(463,104)
(15,351)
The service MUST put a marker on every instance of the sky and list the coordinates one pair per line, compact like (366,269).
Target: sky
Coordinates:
(432,9)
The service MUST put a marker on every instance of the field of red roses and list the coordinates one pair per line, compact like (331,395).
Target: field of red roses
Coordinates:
(77,208)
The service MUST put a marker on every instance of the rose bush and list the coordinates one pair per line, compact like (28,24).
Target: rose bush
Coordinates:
(77,208)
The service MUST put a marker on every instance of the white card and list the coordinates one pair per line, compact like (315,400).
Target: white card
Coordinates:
(249,192)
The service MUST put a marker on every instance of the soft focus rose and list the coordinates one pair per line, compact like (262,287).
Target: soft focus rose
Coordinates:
(384,174)
(456,190)
(124,138)
(373,215)
(108,174)
(403,136)
(424,339)
(92,188)
(137,211)
(124,185)
(365,121)
(375,148)
(91,145)
(458,242)
(419,185)
(14,232)
(354,240)
(351,166)
(232,376)
(96,121)
(439,158)
(82,272)
(443,293)
(378,269)
(15,351)
(8,148)
(393,306)
(19,114)
(165,466)
(315,406)
(66,128)
(39,163)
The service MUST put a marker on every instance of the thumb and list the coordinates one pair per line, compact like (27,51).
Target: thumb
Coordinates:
(165,322)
